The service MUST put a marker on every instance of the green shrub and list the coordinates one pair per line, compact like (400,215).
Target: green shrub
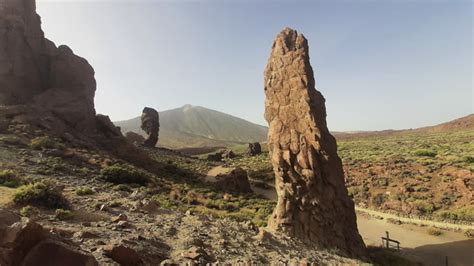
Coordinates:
(10,178)
(469,233)
(84,191)
(118,174)
(45,142)
(469,159)
(40,194)
(426,208)
(434,231)
(28,211)
(462,214)
(425,153)
(62,215)
(123,187)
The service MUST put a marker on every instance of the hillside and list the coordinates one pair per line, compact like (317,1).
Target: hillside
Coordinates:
(460,124)
(464,123)
(195,126)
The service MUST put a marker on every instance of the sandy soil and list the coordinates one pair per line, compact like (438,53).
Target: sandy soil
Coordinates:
(417,243)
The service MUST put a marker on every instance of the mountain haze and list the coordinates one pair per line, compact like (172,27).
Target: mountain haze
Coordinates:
(196,126)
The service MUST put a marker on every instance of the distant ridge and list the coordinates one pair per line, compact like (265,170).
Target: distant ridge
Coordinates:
(196,126)
(460,124)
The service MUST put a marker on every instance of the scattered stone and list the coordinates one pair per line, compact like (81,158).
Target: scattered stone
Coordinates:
(150,206)
(151,125)
(195,253)
(123,224)
(313,203)
(85,235)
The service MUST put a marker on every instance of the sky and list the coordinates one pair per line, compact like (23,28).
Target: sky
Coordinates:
(379,64)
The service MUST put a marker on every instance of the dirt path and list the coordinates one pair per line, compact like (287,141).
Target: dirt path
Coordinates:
(417,243)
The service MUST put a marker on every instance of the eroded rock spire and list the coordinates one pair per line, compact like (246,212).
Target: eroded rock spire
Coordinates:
(151,125)
(313,203)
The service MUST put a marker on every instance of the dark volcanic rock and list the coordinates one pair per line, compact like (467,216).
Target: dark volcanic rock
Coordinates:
(313,203)
(133,137)
(151,125)
(254,149)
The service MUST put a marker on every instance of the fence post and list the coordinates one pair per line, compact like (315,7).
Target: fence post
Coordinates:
(387,240)
(446,260)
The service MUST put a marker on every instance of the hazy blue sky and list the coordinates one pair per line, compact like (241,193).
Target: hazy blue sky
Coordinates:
(380,64)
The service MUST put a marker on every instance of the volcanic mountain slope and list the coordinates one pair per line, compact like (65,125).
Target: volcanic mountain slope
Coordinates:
(195,126)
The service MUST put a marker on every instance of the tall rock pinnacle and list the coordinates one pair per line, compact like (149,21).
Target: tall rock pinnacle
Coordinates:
(151,125)
(313,203)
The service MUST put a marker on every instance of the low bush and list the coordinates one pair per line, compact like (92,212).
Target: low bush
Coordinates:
(40,194)
(469,233)
(28,211)
(62,214)
(425,153)
(462,214)
(83,191)
(45,142)
(10,178)
(119,174)
(434,231)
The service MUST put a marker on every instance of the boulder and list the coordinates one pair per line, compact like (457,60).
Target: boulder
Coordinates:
(227,154)
(151,125)
(254,149)
(106,127)
(215,157)
(134,138)
(24,242)
(313,203)
(123,254)
(55,253)
(235,180)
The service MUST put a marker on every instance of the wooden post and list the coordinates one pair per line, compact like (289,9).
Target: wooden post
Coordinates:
(446,260)
(387,240)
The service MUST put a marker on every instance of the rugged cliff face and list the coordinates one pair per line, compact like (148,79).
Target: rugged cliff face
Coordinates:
(33,71)
(313,203)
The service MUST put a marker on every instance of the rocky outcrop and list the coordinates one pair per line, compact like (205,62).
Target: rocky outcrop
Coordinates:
(151,125)
(23,242)
(254,149)
(235,180)
(313,203)
(34,71)
(133,137)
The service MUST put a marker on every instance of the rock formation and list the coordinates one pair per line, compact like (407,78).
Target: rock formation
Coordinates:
(133,137)
(151,125)
(34,71)
(235,180)
(254,149)
(23,242)
(313,203)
